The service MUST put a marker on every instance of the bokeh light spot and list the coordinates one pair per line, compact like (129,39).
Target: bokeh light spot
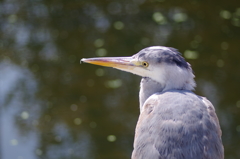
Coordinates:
(83,99)
(74,107)
(14,142)
(118,25)
(238,12)
(189,54)
(12,18)
(180,17)
(238,128)
(236,22)
(24,115)
(114,83)
(99,43)
(111,138)
(220,63)
(99,72)
(101,52)
(225,14)
(77,121)
(159,18)
(238,104)
(224,45)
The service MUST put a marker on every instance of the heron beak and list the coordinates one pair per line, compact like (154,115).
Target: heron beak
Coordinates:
(122,63)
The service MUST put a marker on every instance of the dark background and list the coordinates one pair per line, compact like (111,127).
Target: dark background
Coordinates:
(54,108)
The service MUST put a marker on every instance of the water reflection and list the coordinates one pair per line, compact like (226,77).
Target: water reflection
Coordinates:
(19,111)
(53,107)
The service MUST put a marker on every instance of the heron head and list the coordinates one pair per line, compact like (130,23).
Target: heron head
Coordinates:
(164,65)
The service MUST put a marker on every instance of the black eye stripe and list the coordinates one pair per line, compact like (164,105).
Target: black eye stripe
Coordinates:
(141,55)
(173,59)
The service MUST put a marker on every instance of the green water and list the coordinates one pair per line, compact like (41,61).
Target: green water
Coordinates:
(53,107)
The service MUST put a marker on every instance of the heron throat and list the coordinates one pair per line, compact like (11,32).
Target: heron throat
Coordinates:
(149,87)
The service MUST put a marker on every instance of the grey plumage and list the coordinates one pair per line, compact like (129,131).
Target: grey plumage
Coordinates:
(174,123)
(170,56)
(177,124)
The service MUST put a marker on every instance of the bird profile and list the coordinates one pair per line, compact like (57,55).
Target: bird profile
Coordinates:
(174,123)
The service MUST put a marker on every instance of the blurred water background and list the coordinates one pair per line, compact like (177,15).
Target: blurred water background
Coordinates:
(51,107)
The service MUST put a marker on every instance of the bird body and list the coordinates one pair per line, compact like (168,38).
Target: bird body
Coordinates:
(177,124)
(174,123)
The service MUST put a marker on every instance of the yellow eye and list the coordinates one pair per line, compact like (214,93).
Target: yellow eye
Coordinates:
(145,64)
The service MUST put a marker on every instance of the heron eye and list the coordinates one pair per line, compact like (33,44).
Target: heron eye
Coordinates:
(145,64)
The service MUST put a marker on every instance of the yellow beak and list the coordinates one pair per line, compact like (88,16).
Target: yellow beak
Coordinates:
(122,63)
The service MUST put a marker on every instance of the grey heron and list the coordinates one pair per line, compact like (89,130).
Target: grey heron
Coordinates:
(174,123)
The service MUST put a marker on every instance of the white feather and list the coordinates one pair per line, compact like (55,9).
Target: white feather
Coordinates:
(159,47)
(172,77)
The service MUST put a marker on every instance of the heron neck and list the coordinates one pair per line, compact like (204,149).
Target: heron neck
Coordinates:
(147,88)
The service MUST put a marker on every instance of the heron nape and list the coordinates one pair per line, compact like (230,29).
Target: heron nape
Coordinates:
(174,123)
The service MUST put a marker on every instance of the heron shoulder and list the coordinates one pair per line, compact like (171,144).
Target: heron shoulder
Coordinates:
(181,105)
(211,112)
(178,124)
(174,99)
